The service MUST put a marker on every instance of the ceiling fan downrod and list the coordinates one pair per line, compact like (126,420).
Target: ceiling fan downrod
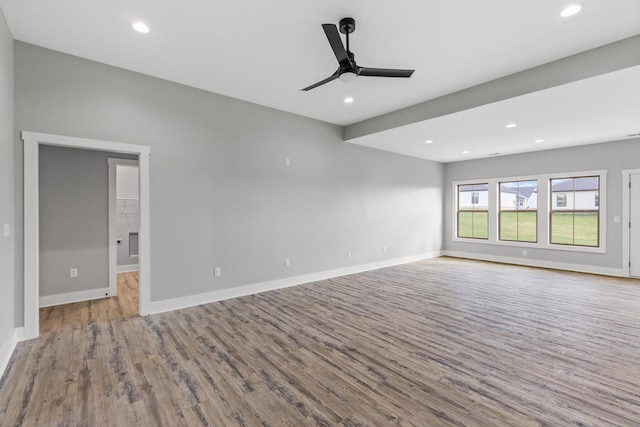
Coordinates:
(347,26)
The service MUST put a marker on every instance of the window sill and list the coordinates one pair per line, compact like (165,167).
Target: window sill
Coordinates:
(545,246)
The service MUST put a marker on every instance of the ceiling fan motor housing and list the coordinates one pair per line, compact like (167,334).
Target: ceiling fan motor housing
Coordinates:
(348,76)
(347,25)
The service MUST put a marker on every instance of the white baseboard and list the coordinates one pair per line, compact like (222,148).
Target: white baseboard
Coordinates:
(6,351)
(256,288)
(68,298)
(128,268)
(580,268)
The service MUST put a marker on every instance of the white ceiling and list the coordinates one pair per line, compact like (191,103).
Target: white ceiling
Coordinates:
(599,109)
(265,52)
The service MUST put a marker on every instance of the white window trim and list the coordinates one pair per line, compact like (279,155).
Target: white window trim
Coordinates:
(455,204)
(544,207)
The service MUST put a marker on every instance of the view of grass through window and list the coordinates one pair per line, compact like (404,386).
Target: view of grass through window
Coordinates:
(519,226)
(473,224)
(574,229)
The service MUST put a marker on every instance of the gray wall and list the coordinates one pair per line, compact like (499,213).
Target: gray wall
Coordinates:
(7,245)
(220,192)
(74,219)
(612,156)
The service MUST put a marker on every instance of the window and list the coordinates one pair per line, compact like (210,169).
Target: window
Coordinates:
(561,200)
(505,211)
(518,214)
(575,217)
(473,211)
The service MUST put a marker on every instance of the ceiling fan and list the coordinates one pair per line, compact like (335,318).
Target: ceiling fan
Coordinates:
(348,70)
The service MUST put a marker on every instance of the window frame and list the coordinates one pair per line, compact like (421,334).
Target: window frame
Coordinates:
(573,211)
(519,202)
(473,210)
(544,202)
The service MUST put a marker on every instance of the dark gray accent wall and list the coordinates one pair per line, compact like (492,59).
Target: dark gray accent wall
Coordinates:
(221,195)
(612,156)
(7,244)
(74,219)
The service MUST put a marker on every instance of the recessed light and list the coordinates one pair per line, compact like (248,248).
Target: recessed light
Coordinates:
(538,141)
(570,10)
(466,152)
(140,27)
(511,125)
(429,141)
(348,100)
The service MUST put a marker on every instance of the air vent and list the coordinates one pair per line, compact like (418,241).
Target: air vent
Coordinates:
(631,135)
(493,154)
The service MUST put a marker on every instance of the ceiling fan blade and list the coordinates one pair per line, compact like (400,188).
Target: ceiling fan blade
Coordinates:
(383,72)
(320,83)
(336,43)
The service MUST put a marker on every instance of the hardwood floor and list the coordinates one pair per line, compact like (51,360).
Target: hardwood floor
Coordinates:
(124,306)
(443,342)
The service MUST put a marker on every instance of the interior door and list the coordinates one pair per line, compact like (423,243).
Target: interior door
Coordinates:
(634,229)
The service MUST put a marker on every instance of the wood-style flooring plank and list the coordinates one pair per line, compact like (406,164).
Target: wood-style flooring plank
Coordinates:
(444,342)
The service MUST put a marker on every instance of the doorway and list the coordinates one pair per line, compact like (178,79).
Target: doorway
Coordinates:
(124,217)
(32,143)
(634,227)
(630,222)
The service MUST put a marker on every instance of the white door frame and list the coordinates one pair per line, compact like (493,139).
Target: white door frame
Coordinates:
(626,217)
(32,141)
(113,229)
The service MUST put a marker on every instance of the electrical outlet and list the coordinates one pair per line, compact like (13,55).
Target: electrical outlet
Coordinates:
(287,262)
(217,272)
(73,272)
(287,162)
(7,230)
(348,254)
(384,249)
(524,252)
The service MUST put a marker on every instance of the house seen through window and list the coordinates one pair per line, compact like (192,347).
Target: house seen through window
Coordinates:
(561,200)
